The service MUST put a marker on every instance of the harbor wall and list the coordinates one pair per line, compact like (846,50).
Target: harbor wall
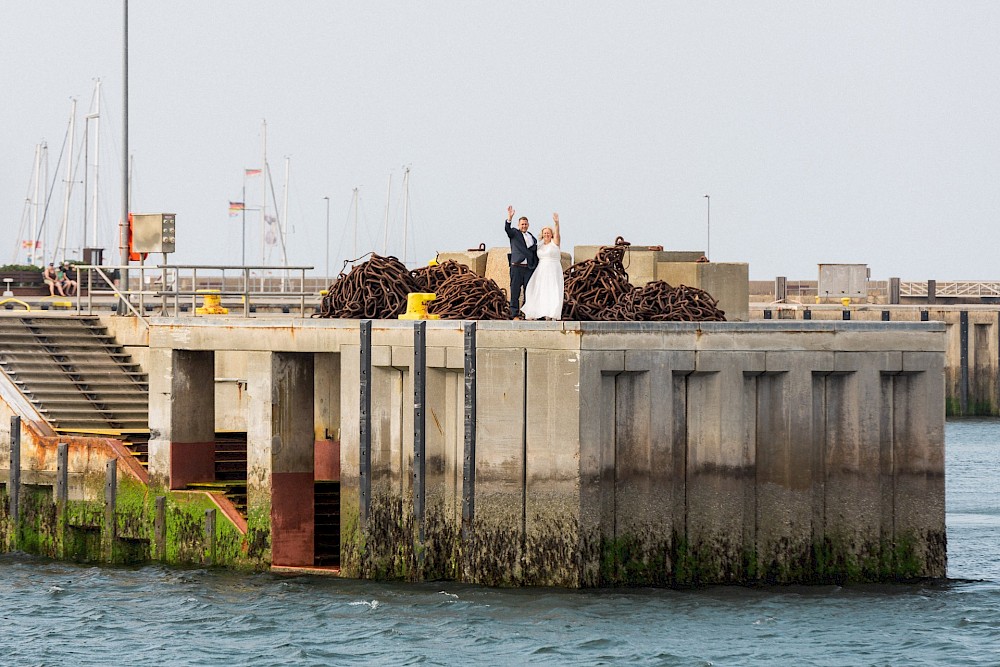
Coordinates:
(565,453)
(972,347)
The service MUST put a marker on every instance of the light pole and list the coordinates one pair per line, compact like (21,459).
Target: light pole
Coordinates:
(708,226)
(124,229)
(327,240)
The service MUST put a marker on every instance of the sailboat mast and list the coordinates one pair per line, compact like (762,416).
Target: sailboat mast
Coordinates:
(97,158)
(355,222)
(69,186)
(33,251)
(385,238)
(284,216)
(406,207)
(263,198)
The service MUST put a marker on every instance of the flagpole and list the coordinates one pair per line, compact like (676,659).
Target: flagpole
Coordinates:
(244,217)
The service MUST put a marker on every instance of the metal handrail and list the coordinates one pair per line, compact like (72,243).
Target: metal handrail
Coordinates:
(169,278)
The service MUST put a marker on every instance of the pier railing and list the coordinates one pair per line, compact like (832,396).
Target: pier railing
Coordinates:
(174,289)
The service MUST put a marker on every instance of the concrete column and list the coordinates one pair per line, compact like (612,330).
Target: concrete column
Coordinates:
(787,460)
(918,463)
(350,429)
(292,464)
(649,459)
(327,418)
(598,372)
(856,473)
(444,421)
(552,475)
(721,462)
(181,417)
(497,547)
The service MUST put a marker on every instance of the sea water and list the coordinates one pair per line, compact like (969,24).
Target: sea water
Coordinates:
(61,614)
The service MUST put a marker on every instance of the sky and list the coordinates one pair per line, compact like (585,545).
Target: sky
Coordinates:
(838,132)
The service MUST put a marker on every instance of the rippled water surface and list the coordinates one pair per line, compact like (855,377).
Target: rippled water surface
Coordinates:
(59,614)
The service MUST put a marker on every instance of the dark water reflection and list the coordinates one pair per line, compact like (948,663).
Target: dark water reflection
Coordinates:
(56,614)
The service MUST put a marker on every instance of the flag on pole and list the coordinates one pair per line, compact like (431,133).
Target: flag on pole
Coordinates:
(28,245)
(251,172)
(235,207)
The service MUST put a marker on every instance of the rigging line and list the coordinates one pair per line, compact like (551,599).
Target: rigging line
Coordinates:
(343,230)
(52,187)
(25,216)
(277,216)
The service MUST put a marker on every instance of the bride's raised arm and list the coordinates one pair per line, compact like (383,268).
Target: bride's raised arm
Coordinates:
(555,235)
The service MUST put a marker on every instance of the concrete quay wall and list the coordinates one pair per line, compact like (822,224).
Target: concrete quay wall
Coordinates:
(972,347)
(595,454)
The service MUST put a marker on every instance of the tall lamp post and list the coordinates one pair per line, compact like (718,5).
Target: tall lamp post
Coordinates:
(327,199)
(123,238)
(708,227)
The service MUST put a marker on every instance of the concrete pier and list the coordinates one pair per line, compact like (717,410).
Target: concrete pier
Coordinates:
(587,454)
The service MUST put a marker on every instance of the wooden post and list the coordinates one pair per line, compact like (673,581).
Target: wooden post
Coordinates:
(160,528)
(62,494)
(210,536)
(110,532)
(14,487)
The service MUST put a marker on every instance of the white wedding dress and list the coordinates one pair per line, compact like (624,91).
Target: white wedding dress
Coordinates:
(544,295)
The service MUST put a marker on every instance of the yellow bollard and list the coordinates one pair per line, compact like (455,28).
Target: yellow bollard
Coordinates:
(211,303)
(416,306)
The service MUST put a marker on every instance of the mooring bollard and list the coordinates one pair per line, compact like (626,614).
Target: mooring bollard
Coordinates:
(210,536)
(110,531)
(160,528)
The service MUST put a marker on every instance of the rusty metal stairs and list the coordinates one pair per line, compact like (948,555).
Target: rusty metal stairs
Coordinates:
(78,377)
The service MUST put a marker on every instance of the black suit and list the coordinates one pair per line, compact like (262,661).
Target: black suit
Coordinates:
(523,260)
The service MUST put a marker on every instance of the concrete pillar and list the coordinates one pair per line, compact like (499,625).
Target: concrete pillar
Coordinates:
(599,370)
(918,466)
(721,407)
(280,449)
(780,289)
(786,455)
(852,418)
(327,418)
(182,417)
(443,452)
(552,474)
(495,554)
(350,491)
(649,456)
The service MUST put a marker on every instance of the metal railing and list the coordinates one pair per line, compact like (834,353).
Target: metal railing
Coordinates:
(951,288)
(175,286)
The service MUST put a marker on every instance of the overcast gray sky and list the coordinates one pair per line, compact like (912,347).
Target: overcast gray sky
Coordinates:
(859,132)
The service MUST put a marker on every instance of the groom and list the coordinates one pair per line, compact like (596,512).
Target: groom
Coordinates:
(523,259)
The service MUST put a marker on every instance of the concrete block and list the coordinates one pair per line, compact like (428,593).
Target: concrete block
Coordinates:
(474,259)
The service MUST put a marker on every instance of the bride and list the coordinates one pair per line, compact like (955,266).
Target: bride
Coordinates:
(543,298)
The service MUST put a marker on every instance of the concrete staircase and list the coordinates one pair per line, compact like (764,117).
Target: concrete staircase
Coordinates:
(230,470)
(76,375)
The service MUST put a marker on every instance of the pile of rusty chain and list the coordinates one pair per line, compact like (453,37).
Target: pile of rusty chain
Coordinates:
(598,289)
(466,296)
(595,287)
(375,289)
(430,278)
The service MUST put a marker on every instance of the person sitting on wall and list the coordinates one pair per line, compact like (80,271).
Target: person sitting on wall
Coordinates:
(51,279)
(67,283)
